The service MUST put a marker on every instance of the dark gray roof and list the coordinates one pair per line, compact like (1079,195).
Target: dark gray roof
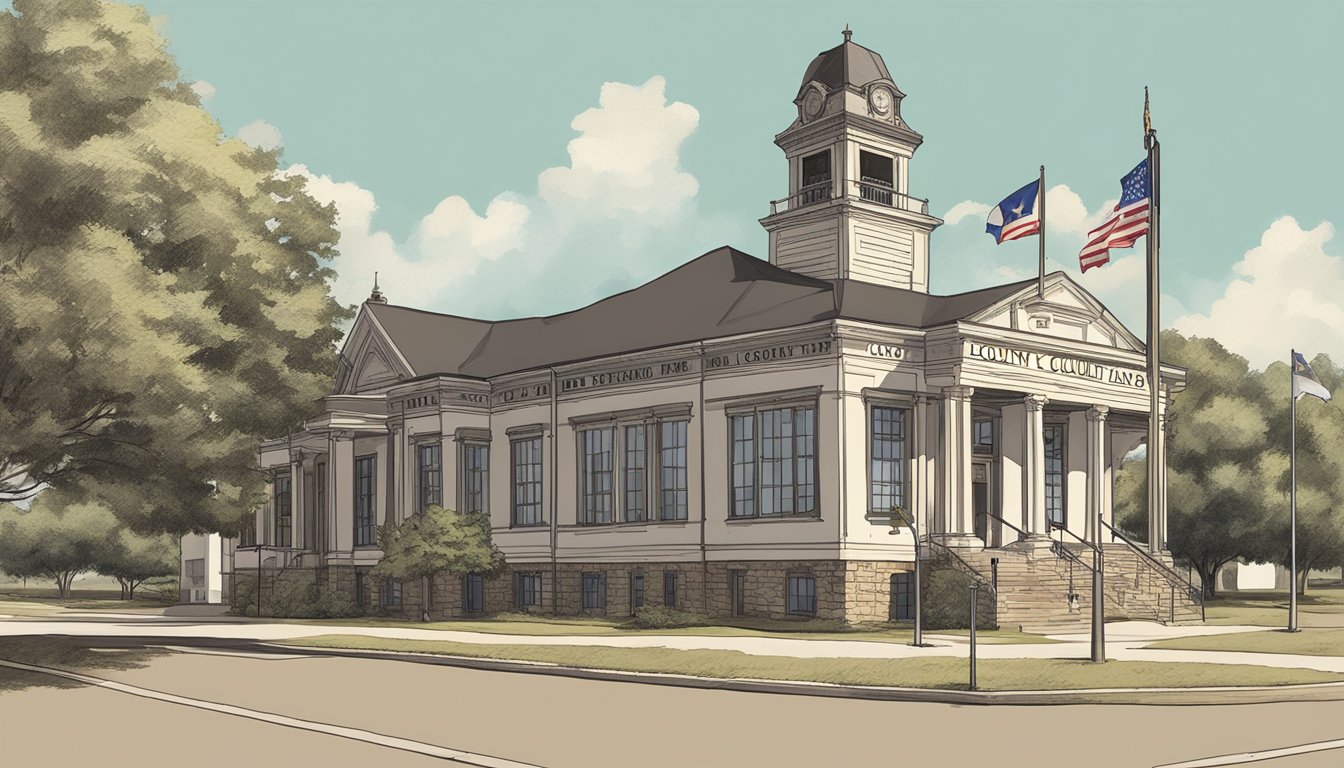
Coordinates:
(846,64)
(722,293)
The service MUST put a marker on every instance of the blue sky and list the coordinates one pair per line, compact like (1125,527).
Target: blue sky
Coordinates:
(443,133)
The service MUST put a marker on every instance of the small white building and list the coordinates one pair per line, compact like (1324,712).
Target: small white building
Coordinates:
(205,559)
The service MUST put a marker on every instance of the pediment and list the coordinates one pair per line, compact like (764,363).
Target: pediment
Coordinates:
(1067,311)
(369,359)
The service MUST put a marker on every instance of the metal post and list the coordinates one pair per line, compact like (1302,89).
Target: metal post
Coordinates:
(1098,608)
(975,590)
(258,581)
(1040,276)
(919,587)
(1292,557)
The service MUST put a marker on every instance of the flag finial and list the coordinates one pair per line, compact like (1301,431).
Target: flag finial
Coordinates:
(377,296)
(1147,119)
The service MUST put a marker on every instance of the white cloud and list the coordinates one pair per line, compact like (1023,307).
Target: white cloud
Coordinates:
(260,134)
(1288,293)
(622,211)
(965,210)
(204,90)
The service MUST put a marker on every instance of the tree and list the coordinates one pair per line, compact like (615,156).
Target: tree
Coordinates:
(1320,470)
(1223,469)
(133,558)
(53,539)
(164,297)
(437,541)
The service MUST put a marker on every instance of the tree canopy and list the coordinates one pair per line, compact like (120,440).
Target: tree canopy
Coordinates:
(54,540)
(164,297)
(1228,465)
(437,541)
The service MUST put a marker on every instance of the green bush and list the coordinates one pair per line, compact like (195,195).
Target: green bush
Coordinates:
(661,617)
(293,598)
(947,599)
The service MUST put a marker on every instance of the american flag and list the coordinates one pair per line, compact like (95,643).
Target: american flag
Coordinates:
(1127,221)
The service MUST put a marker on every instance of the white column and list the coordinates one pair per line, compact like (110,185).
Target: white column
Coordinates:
(956,459)
(1012,489)
(1098,476)
(341,474)
(922,493)
(1033,469)
(451,464)
(295,498)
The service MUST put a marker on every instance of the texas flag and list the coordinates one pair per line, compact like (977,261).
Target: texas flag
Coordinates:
(1017,216)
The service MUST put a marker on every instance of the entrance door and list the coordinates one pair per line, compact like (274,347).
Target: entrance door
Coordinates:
(980,498)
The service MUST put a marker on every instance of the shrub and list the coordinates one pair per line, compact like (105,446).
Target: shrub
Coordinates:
(661,617)
(947,599)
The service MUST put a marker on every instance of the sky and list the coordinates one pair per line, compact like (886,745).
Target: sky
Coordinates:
(520,158)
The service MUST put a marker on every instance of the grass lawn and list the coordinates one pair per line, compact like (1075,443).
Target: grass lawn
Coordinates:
(524,624)
(1308,642)
(1320,607)
(940,672)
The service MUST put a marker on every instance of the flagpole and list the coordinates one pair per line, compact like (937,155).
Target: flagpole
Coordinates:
(1156,448)
(1040,284)
(1292,515)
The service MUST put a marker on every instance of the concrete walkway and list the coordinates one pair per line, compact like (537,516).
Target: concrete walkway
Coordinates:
(1125,640)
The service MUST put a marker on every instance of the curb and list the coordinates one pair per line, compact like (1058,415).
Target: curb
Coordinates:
(1143,696)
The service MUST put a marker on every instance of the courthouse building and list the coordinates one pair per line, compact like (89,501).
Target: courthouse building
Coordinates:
(731,438)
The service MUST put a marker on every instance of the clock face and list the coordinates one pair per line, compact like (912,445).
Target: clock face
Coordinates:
(880,100)
(812,104)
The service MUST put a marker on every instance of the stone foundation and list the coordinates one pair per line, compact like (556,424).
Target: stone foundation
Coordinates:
(845,591)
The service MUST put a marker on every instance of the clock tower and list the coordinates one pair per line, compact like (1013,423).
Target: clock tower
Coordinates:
(849,213)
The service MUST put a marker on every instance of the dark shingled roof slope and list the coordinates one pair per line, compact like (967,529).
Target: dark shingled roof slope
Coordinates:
(846,64)
(723,293)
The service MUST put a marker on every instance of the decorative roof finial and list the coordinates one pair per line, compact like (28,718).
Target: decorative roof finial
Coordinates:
(847,33)
(377,296)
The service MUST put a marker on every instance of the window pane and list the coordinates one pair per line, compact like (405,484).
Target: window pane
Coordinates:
(475,476)
(1054,473)
(805,450)
(527,481)
(635,480)
(595,475)
(366,524)
(431,474)
(744,465)
(777,468)
(672,470)
(284,511)
(888,457)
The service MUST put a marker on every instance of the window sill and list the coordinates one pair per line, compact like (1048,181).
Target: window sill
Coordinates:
(527,526)
(625,524)
(774,519)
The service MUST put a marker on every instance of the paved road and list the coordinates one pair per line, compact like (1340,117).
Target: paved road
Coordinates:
(560,722)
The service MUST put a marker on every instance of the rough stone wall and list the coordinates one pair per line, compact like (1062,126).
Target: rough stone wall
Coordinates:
(868,589)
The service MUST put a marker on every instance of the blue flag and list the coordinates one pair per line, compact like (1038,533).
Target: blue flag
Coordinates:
(1017,216)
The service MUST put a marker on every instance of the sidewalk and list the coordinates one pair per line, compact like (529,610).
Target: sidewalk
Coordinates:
(1125,640)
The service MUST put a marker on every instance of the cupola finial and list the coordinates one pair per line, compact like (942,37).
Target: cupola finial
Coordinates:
(377,296)
(847,33)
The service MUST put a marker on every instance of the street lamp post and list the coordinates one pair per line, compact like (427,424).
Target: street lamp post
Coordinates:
(975,594)
(898,517)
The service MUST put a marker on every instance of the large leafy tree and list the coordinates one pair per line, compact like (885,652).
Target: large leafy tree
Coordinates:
(1320,470)
(435,542)
(132,558)
(1223,468)
(54,539)
(163,294)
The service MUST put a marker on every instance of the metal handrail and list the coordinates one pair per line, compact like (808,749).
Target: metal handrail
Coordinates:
(974,572)
(1196,594)
(855,190)
(1021,534)
(1078,538)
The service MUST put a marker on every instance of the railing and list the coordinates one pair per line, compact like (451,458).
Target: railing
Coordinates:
(963,566)
(1173,578)
(878,194)
(246,556)
(1021,534)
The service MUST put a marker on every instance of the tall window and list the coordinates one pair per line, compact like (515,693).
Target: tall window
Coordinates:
(887,451)
(902,596)
(526,590)
(774,462)
(475,476)
(672,470)
(636,591)
(595,476)
(595,591)
(982,435)
(1054,474)
(431,474)
(284,511)
(473,593)
(366,522)
(635,480)
(802,594)
(527,481)
(389,594)
(319,526)
(670,589)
